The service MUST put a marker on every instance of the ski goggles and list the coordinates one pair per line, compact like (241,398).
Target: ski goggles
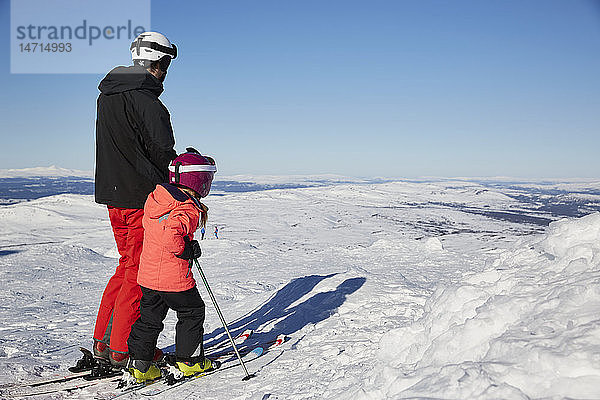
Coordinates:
(192,168)
(171,51)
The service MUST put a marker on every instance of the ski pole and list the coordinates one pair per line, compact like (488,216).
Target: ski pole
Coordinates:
(212,297)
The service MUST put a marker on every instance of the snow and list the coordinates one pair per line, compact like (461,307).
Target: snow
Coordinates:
(527,327)
(385,290)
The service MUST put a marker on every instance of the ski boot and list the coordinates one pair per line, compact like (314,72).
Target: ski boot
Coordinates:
(100,349)
(194,367)
(118,359)
(121,360)
(143,370)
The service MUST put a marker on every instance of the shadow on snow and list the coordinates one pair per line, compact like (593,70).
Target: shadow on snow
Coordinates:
(8,252)
(276,317)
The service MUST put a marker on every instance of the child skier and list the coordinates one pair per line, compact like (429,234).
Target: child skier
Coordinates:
(172,213)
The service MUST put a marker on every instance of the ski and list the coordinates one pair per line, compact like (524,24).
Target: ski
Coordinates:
(171,383)
(88,376)
(123,391)
(84,367)
(88,372)
(239,339)
(56,379)
(23,391)
(248,354)
(267,345)
(137,387)
(242,337)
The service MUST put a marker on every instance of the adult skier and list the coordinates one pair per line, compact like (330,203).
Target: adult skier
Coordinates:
(134,146)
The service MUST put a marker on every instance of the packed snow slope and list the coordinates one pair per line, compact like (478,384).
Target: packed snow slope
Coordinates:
(392,290)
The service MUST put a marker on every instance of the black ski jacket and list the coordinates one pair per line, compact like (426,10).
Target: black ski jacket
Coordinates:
(134,138)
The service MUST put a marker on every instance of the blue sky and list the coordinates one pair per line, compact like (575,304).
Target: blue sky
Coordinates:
(361,88)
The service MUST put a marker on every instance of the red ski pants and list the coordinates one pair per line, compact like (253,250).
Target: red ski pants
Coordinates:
(120,304)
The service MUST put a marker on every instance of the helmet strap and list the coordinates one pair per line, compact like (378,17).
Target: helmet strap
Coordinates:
(177,174)
(164,63)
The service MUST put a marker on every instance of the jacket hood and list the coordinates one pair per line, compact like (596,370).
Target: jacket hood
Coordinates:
(164,199)
(123,79)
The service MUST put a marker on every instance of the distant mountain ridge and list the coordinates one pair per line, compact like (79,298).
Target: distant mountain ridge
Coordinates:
(52,170)
(540,201)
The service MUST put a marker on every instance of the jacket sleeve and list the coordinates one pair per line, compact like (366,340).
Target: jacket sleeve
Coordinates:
(156,127)
(179,224)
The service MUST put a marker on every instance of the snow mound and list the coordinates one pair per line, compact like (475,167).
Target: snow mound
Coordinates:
(528,327)
(433,244)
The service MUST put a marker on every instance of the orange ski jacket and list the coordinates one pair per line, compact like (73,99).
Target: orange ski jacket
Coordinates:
(169,215)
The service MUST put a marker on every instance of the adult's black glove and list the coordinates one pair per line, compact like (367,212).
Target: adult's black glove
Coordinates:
(191,250)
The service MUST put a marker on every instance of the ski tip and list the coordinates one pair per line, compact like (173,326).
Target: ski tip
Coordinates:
(258,351)
(243,336)
(246,334)
(280,339)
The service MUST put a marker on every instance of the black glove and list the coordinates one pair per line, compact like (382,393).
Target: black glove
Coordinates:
(191,250)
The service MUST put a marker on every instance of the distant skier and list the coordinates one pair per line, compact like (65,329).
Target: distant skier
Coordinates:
(216,232)
(202,231)
(134,145)
(172,214)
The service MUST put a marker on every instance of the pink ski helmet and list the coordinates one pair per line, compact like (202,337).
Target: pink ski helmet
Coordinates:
(193,170)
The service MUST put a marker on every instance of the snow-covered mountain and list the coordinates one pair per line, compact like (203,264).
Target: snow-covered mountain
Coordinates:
(51,171)
(405,289)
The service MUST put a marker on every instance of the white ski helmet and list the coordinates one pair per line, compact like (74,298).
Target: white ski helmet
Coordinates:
(151,46)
